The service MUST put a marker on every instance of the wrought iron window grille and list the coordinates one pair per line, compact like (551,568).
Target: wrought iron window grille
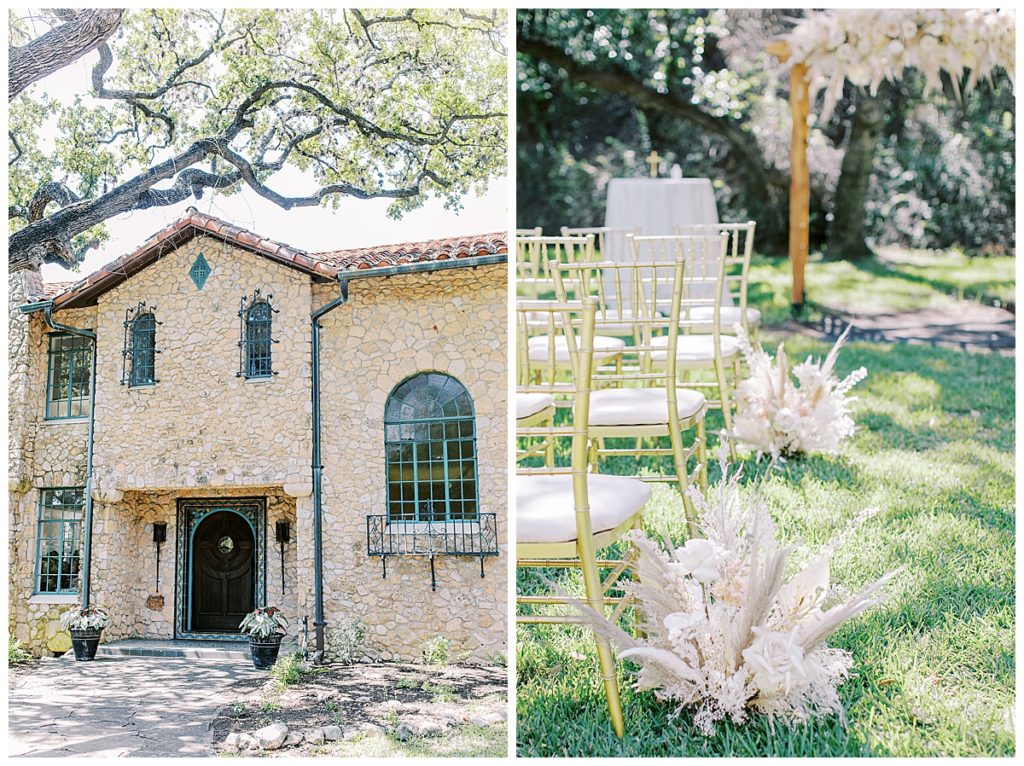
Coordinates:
(138,357)
(255,338)
(386,537)
(199,272)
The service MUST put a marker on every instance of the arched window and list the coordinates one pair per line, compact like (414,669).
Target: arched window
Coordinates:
(430,444)
(143,350)
(256,316)
(138,358)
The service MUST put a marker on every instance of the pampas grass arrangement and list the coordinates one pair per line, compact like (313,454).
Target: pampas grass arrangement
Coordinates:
(725,631)
(782,418)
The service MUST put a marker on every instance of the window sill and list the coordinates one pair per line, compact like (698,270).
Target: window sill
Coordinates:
(54,598)
(261,379)
(61,421)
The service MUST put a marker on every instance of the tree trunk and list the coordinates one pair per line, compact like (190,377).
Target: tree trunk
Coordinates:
(81,32)
(848,239)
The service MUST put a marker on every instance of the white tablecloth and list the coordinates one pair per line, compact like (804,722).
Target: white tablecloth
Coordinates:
(656,206)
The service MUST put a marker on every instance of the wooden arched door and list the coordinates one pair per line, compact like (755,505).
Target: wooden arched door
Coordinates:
(223,572)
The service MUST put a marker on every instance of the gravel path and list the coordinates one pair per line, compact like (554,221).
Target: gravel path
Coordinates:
(136,706)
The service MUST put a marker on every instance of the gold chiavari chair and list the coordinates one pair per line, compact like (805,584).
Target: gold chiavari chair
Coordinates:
(737,275)
(701,345)
(533,253)
(565,515)
(534,281)
(641,399)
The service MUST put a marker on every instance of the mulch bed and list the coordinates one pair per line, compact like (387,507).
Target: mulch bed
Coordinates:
(358,696)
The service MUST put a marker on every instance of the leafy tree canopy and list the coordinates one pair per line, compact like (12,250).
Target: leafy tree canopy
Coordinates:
(403,105)
(598,89)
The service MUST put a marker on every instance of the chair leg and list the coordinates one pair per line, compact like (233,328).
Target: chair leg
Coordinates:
(723,393)
(702,454)
(679,459)
(606,660)
(549,444)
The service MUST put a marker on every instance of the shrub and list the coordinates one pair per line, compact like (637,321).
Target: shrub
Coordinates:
(436,651)
(345,642)
(288,670)
(15,653)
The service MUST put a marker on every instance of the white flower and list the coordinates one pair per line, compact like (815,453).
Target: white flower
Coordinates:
(776,661)
(701,559)
(681,625)
(786,420)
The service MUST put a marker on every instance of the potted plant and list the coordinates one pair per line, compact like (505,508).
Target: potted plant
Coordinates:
(266,627)
(85,625)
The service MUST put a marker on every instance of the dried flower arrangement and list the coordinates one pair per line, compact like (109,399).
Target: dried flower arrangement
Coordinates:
(774,416)
(723,630)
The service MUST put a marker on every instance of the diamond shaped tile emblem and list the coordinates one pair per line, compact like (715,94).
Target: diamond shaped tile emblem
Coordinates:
(200,271)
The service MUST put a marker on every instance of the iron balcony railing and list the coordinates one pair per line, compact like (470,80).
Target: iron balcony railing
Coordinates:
(452,537)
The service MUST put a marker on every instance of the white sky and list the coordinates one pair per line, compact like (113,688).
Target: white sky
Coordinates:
(356,223)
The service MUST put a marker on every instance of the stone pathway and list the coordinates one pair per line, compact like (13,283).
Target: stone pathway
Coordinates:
(132,706)
(968,326)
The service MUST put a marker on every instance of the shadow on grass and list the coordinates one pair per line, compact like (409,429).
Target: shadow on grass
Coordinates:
(983,291)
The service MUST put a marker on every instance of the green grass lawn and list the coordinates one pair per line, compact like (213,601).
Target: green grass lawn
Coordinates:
(935,663)
(897,280)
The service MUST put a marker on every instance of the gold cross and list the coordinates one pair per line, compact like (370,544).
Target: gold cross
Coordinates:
(655,162)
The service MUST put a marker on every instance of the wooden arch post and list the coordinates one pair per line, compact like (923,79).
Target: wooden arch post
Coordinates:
(799,173)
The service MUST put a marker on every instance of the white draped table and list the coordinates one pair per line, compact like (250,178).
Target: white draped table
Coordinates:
(655,206)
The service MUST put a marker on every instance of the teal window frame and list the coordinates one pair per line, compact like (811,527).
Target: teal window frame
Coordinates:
(430,451)
(60,531)
(68,376)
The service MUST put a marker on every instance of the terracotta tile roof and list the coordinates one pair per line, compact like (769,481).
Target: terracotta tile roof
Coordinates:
(324,265)
(416,252)
(50,289)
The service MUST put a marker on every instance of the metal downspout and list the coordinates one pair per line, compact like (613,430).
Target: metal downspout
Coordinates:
(47,309)
(318,469)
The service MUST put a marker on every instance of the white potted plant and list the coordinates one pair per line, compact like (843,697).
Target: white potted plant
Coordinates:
(85,625)
(266,627)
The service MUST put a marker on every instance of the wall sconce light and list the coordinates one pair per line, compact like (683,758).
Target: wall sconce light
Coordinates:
(159,536)
(282,535)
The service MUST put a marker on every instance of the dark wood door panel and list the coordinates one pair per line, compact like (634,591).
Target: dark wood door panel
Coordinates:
(223,572)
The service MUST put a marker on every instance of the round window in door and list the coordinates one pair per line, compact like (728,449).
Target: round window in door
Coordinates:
(223,573)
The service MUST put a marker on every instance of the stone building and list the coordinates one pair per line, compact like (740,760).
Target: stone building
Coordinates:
(204,420)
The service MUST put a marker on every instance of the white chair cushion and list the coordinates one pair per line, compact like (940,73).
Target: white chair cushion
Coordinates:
(640,406)
(696,348)
(728,315)
(546,513)
(531,404)
(605,348)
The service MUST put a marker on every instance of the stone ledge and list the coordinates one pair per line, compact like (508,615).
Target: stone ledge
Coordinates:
(54,598)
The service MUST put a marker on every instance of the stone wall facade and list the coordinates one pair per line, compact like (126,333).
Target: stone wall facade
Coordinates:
(203,431)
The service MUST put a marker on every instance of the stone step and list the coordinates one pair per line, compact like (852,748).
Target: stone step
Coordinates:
(194,650)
